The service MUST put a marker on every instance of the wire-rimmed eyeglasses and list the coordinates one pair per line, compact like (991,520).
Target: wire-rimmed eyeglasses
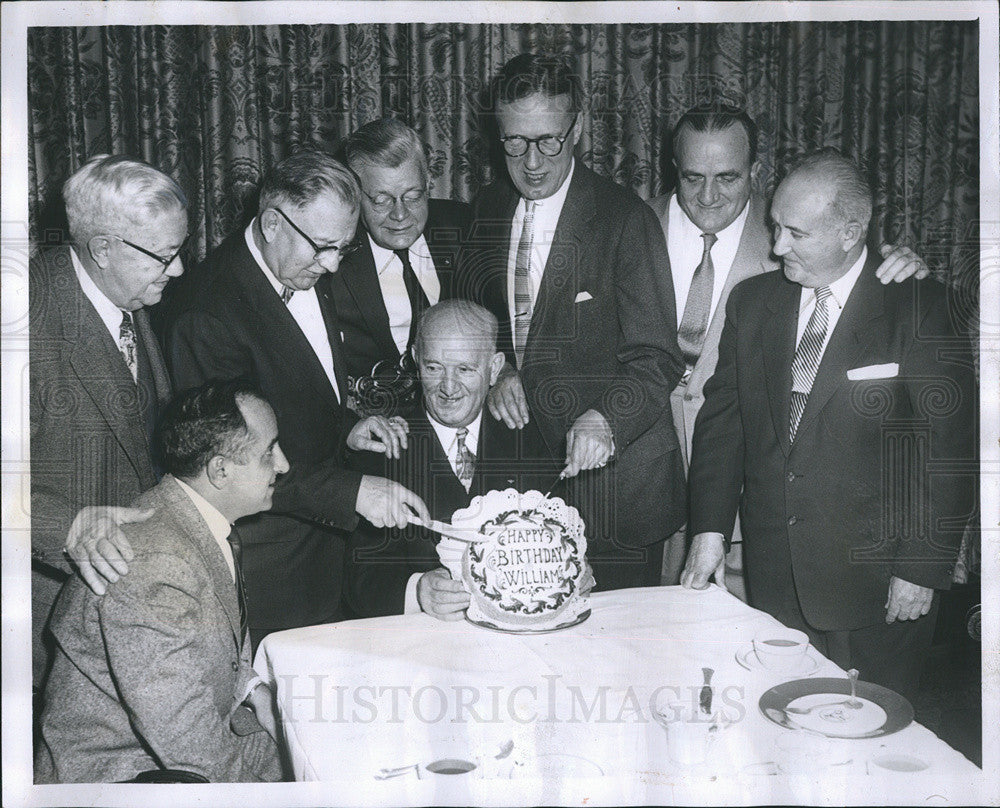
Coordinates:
(319,251)
(548,145)
(165,261)
(385,202)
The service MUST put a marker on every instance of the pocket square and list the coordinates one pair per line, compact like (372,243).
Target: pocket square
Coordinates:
(886,371)
(582,296)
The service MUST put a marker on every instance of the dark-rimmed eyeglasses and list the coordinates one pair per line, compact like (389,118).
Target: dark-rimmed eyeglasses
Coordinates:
(333,249)
(165,261)
(548,145)
(386,202)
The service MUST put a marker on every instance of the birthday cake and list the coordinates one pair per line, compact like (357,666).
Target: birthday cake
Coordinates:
(527,576)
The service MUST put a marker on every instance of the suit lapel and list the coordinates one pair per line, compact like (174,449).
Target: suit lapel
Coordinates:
(161,381)
(328,309)
(560,280)
(442,240)
(190,522)
(778,349)
(852,333)
(278,330)
(359,276)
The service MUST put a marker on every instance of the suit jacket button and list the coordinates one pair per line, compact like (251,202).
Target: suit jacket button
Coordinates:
(791,476)
(236,665)
(792,520)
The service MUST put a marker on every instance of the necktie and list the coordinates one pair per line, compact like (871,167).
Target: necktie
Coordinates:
(236,542)
(522,283)
(418,299)
(465,460)
(127,344)
(806,361)
(286,294)
(694,323)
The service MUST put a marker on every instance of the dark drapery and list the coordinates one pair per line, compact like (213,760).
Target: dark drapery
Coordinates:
(216,106)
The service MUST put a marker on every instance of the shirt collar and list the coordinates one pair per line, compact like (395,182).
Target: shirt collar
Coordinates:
(691,231)
(447,434)
(109,313)
(278,286)
(217,523)
(841,288)
(554,202)
(383,257)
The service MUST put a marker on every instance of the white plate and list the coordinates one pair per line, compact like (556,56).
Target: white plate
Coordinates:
(747,658)
(557,766)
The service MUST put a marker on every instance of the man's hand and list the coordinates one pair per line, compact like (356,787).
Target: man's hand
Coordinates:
(385,503)
(506,399)
(587,583)
(376,433)
(589,443)
(261,701)
(97,546)
(706,558)
(899,264)
(907,601)
(440,596)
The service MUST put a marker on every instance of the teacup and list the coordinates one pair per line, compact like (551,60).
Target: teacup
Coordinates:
(782,650)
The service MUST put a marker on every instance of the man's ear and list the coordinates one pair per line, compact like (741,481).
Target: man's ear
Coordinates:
(496,365)
(98,247)
(268,221)
(851,234)
(217,471)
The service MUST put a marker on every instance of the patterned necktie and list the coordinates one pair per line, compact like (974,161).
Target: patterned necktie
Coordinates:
(694,323)
(418,299)
(465,461)
(236,542)
(522,283)
(127,344)
(286,294)
(806,361)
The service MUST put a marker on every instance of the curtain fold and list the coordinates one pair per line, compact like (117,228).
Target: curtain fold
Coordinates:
(216,106)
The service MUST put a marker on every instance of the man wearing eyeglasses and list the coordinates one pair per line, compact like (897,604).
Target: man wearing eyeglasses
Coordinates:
(97,378)
(261,308)
(568,262)
(407,255)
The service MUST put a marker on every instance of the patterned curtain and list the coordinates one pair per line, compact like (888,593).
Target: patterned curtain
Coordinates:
(215,107)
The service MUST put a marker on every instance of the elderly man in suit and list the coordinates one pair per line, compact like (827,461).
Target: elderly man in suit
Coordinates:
(454,454)
(833,401)
(97,379)
(261,308)
(715,226)
(156,673)
(405,262)
(572,266)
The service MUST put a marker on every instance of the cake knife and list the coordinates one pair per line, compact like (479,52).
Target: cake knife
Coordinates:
(466,534)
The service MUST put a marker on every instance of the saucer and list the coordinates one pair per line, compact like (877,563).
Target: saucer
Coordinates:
(747,658)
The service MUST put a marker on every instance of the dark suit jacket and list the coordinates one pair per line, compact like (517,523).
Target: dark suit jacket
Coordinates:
(151,674)
(232,324)
(603,335)
(89,421)
(881,477)
(364,322)
(381,561)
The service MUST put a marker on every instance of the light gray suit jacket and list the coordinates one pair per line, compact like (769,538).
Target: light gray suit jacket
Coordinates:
(753,257)
(151,675)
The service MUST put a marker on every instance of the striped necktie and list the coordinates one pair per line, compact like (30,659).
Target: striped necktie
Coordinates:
(806,361)
(414,291)
(286,294)
(236,542)
(522,282)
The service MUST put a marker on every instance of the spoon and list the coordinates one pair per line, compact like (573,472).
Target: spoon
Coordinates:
(853,702)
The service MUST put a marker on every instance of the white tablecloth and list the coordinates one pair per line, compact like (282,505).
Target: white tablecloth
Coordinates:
(365,695)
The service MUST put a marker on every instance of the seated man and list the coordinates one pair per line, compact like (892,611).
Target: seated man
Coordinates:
(156,674)
(454,454)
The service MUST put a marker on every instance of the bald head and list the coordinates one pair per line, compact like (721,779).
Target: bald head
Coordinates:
(455,352)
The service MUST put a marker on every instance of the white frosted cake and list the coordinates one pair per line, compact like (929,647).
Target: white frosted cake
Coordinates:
(527,577)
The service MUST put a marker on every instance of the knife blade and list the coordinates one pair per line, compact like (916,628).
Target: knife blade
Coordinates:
(705,697)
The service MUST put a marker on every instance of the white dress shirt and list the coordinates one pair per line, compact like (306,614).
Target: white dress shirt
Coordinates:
(109,313)
(840,290)
(448,437)
(685,247)
(547,212)
(220,528)
(390,280)
(305,310)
